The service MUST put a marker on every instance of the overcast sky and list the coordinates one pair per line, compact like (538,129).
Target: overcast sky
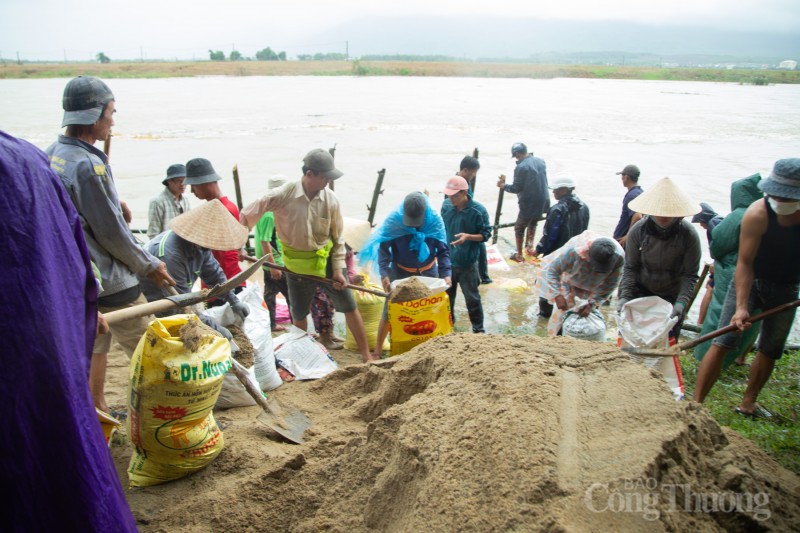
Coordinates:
(186,29)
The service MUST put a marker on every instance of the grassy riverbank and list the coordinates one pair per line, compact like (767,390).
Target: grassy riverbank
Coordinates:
(781,395)
(135,69)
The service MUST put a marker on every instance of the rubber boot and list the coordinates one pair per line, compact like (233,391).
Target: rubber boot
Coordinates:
(326,339)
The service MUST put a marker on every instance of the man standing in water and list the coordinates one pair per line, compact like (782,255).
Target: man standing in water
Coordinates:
(309,223)
(469,171)
(89,107)
(467,225)
(630,180)
(767,275)
(530,186)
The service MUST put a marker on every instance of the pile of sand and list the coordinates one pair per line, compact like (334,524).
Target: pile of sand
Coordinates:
(409,290)
(481,432)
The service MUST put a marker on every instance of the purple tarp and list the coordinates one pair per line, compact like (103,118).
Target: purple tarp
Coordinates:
(54,464)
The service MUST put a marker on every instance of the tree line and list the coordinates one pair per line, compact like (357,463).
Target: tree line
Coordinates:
(267,54)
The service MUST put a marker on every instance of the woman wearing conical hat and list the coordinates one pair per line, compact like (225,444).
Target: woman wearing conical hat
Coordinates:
(662,253)
(186,250)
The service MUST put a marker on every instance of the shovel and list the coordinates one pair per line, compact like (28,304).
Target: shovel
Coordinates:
(290,423)
(675,350)
(182,300)
(327,281)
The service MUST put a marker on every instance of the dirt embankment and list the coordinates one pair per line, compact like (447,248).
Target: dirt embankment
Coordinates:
(177,69)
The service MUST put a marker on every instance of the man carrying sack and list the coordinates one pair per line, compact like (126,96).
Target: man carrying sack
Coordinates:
(309,223)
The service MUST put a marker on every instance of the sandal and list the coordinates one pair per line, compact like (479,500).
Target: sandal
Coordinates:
(517,257)
(757,413)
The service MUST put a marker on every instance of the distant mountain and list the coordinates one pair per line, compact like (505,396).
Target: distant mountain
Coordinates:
(472,37)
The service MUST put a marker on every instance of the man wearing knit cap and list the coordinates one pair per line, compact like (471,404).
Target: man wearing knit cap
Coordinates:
(204,182)
(310,226)
(89,107)
(467,225)
(170,203)
(767,275)
(662,254)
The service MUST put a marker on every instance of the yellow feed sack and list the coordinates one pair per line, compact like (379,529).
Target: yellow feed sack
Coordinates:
(416,321)
(371,308)
(173,390)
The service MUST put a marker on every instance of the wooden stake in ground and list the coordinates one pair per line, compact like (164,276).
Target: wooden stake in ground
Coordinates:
(473,182)
(697,286)
(238,190)
(498,212)
(373,206)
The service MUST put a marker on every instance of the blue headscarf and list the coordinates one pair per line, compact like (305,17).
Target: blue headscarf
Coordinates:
(393,227)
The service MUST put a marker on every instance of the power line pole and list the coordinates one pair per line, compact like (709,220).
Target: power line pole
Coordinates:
(347,50)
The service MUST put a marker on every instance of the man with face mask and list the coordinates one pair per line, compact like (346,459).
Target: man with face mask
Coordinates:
(662,253)
(767,275)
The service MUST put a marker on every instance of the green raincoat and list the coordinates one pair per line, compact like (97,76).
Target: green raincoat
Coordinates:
(725,251)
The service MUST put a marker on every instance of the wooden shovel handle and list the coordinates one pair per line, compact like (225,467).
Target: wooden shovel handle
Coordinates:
(727,329)
(327,281)
(675,350)
(257,395)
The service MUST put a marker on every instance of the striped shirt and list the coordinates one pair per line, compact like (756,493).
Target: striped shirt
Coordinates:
(164,208)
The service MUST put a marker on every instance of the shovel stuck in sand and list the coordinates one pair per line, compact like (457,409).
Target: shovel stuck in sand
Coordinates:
(290,423)
(678,348)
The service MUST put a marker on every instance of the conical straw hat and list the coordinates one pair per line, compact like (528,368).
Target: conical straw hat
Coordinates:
(210,226)
(664,199)
(356,232)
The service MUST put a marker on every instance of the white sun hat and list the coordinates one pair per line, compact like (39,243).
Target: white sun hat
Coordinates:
(664,199)
(210,226)
(563,180)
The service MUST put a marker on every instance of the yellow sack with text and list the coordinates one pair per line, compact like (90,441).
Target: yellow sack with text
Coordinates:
(172,393)
(416,321)
(370,306)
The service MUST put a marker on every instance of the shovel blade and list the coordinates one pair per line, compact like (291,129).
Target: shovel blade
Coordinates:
(288,422)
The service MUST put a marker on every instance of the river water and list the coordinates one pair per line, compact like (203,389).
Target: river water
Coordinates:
(702,135)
